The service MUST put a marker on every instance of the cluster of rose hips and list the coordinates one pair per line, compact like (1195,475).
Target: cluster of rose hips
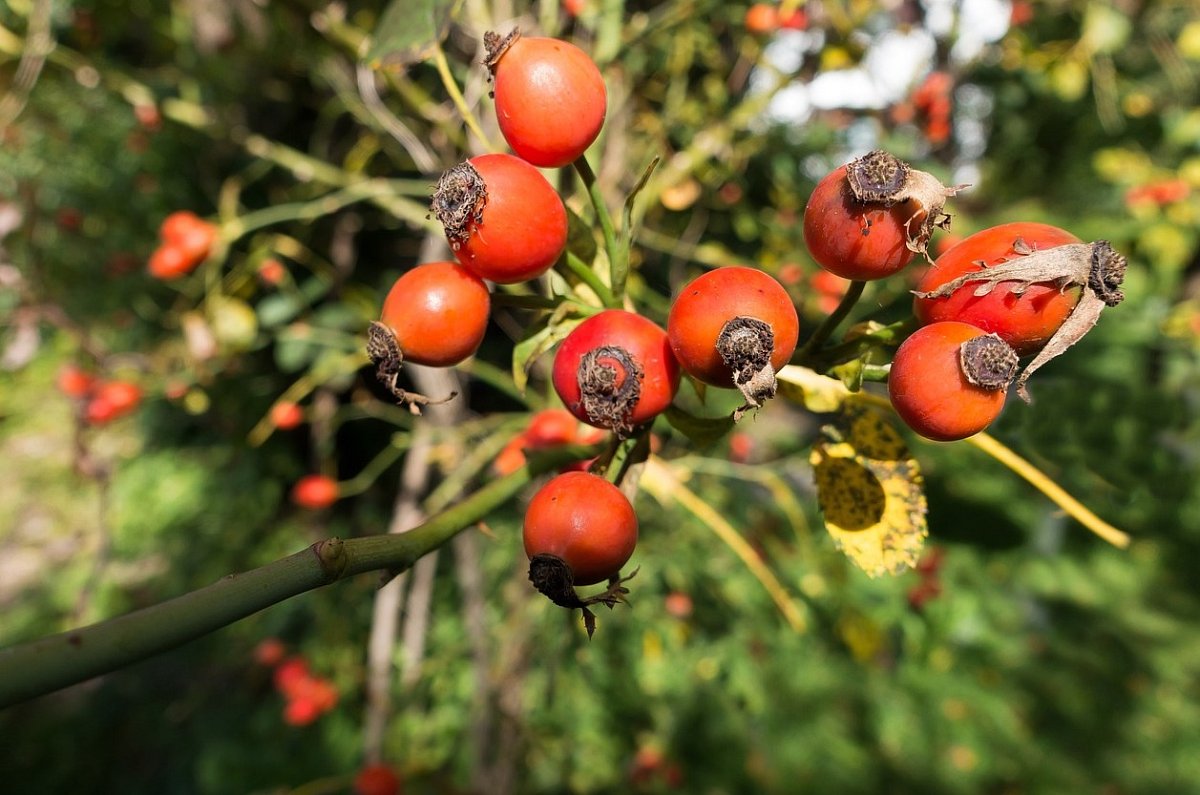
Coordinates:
(308,696)
(733,327)
(1014,290)
(186,240)
(103,400)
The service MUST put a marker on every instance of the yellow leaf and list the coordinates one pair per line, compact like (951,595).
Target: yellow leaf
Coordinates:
(870,491)
(816,392)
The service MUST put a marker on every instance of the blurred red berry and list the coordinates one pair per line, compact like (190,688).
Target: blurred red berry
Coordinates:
(315,492)
(272,272)
(291,675)
(75,382)
(931,562)
(762,18)
(148,116)
(286,415)
(377,779)
(678,604)
(269,652)
(69,219)
(924,592)
(112,400)
(740,446)
(300,712)
(169,262)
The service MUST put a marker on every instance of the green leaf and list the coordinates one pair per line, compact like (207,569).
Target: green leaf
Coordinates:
(275,310)
(409,32)
(700,431)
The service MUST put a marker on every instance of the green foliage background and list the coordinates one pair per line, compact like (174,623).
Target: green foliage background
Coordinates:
(1049,663)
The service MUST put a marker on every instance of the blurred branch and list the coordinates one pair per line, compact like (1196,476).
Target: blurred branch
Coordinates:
(56,661)
(38,44)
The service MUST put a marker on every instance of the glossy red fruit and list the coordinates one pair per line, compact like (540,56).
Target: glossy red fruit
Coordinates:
(616,371)
(190,234)
(377,780)
(438,313)
(503,219)
(551,427)
(286,415)
(315,492)
(586,522)
(867,219)
(550,97)
(945,391)
(1024,321)
(707,306)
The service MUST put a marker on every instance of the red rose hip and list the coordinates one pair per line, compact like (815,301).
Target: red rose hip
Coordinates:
(584,521)
(948,380)
(438,312)
(550,97)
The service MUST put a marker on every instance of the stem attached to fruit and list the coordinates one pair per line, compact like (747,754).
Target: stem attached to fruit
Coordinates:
(48,664)
(830,324)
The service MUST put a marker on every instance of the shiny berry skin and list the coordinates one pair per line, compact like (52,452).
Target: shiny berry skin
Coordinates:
(315,492)
(931,391)
(377,780)
(1025,321)
(550,98)
(711,300)
(615,345)
(852,239)
(586,522)
(438,312)
(504,221)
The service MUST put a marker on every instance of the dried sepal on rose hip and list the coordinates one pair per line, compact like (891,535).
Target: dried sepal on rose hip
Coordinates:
(1095,267)
(387,356)
(882,178)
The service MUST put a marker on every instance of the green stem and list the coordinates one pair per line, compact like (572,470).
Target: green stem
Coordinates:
(48,664)
(626,453)
(460,102)
(618,260)
(589,277)
(830,324)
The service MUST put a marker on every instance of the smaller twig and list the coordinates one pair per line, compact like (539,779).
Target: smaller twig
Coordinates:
(830,324)
(589,277)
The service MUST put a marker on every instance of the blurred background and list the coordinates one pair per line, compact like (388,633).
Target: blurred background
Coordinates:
(1024,655)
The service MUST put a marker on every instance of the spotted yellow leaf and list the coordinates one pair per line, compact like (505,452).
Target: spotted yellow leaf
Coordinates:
(870,492)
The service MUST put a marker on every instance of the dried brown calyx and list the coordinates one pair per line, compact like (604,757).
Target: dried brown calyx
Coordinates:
(553,578)
(458,202)
(745,345)
(988,362)
(1095,267)
(610,385)
(882,178)
(385,354)
(494,47)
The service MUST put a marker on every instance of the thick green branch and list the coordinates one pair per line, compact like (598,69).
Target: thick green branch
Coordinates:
(48,664)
